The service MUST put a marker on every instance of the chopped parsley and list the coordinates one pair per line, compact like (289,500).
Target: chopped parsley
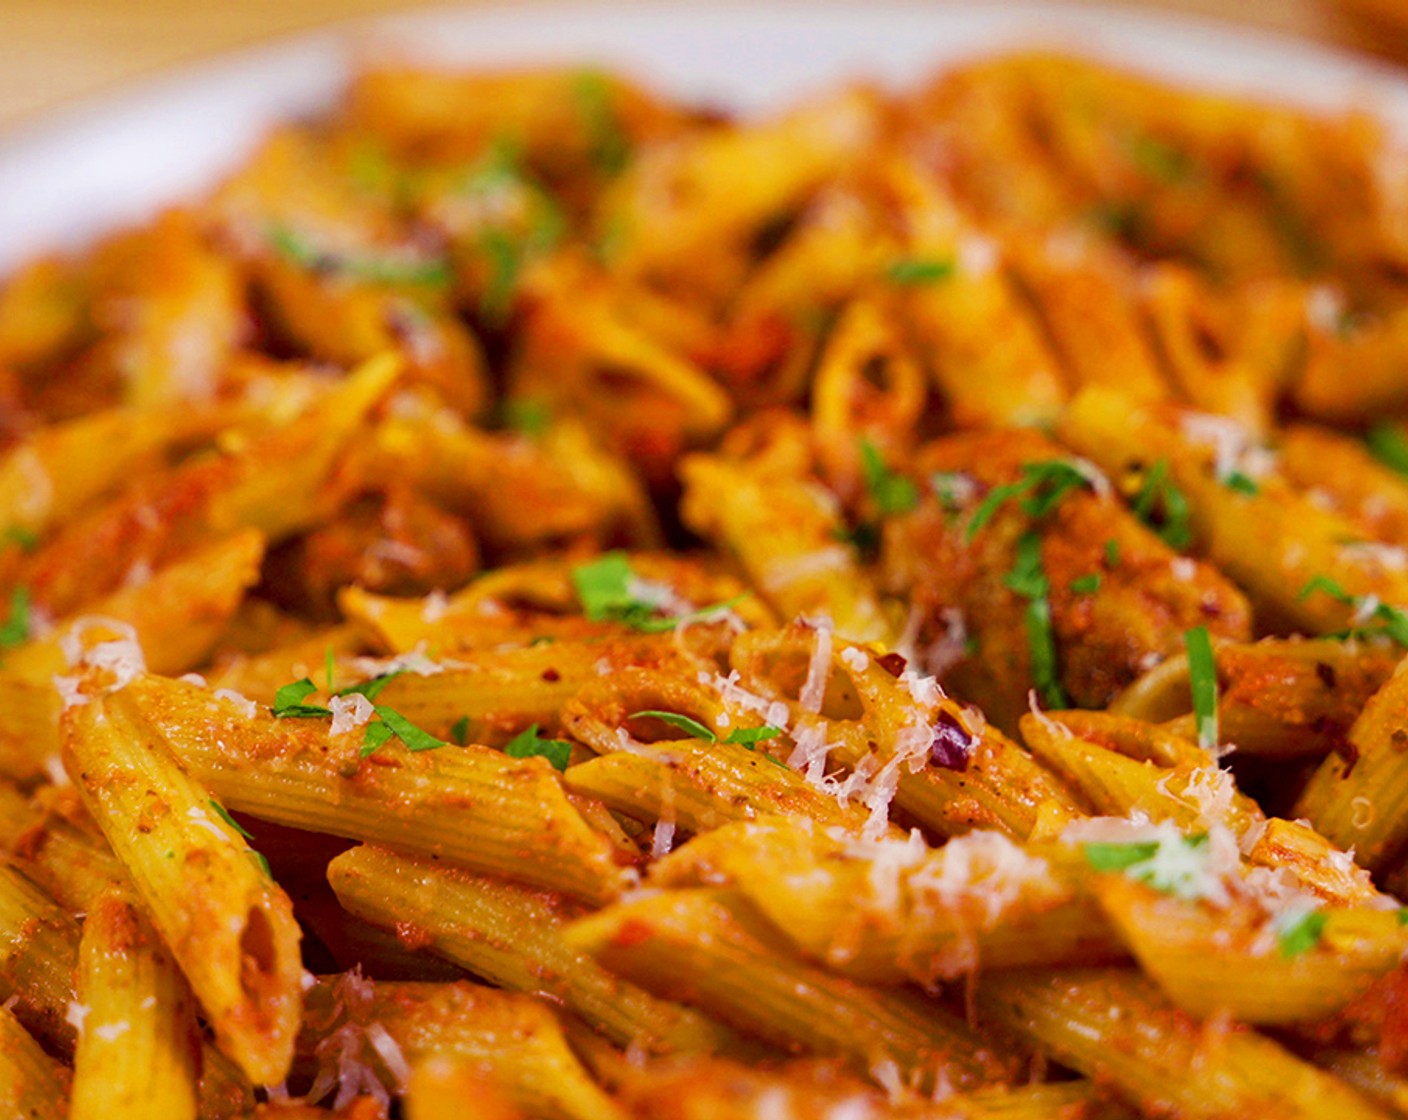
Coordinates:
(1028,579)
(1202,679)
(1112,553)
(1301,933)
(328,667)
(27,539)
(288,702)
(1176,865)
(689,726)
(1392,622)
(1241,483)
(609,146)
(15,630)
(1159,159)
(1160,498)
(224,815)
(528,416)
(915,271)
(459,731)
(1086,585)
(1041,488)
(372,689)
(1387,443)
(393,723)
(950,487)
(529,744)
(610,591)
(892,493)
(746,736)
(299,250)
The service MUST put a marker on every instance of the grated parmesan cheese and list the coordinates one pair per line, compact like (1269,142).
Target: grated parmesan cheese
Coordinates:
(813,692)
(349,713)
(239,700)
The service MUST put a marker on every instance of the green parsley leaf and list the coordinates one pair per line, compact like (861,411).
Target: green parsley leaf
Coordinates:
(459,732)
(610,147)
(891,492)
(376,735)
(1117,857)
(528,744)
(916,271)
(1388,444)
(1202,679)
(328,666)
(414,738)
(603,588)
(1392,622)
(1086,585)
(1301,934)
(683,723)
(1176,866)
(748,735)
(1241,483)
(1042,487)
(288,701)
(1403,915)
(1028,579)
(1159,159)
(224,815)
(299,250)
(1160,497)
(528,416)
(1112,553)
(27,539)
(261,862)
(14,631)
(372,689)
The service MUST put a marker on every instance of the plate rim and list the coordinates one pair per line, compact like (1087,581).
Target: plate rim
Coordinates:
(310,66)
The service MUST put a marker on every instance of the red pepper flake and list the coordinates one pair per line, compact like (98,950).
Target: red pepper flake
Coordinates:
(893,663)
(633,931)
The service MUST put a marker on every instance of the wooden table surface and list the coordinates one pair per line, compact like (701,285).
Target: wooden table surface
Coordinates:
(58,50)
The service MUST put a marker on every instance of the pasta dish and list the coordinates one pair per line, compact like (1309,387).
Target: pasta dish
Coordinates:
(539,598)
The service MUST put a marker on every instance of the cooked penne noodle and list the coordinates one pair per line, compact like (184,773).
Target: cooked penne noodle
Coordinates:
(229,927)
(136,1052)
(32,1084)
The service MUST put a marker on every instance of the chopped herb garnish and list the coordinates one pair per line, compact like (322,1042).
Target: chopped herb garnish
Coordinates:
(915,271)
(288,702)
(459,731)
(1176,866)
(297,249)
(414,738)
(1117,857)
(376,735)
(1086,585)
(1300,934)
(15,630)
(746,735)
(1160,497)
(683,723)
(1028,579)
(372,689)
(1202,678)
(1112,553)
(527,415)
(1392,622)
(27,539)
(609,591)
(891,492)
(609,145)
(261,862)
(528,744)
(328,667)
(1241,483)
(1387,444)
(1403,915)
(224,815)
(1042,487)
(1159,160)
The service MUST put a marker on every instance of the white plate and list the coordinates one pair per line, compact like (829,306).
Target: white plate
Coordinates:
(115,160)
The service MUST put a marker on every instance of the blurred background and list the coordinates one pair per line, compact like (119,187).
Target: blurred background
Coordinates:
(56,50)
